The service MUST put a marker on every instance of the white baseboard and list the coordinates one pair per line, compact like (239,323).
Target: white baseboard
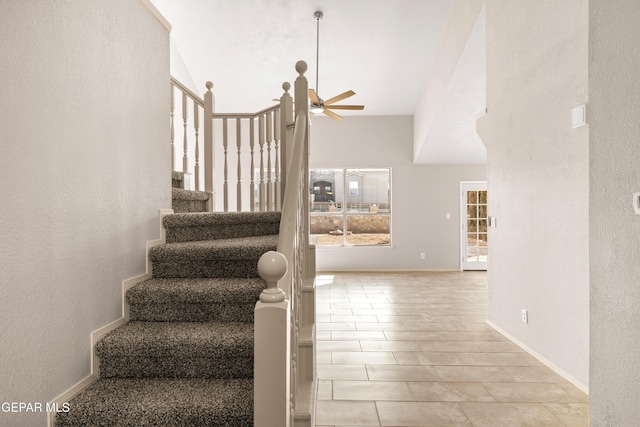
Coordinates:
(99,333)
(583,387)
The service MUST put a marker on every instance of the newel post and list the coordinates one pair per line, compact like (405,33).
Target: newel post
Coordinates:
(209,159)
(271,347)
(286,135)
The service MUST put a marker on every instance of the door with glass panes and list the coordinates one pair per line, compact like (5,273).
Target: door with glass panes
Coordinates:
(473,218)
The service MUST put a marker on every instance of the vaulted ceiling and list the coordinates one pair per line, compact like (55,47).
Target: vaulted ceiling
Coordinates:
(384,50)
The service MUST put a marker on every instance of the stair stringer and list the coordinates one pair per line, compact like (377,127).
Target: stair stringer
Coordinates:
(94,373)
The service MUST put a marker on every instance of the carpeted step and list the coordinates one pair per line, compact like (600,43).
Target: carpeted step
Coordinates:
(177,350)
(162,402)
(211,258)
(189,200)
(220,225)
(194,300)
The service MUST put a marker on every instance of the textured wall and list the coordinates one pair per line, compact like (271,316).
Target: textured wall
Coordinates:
(421,195)
(84,170)
(538,169)
(614,115)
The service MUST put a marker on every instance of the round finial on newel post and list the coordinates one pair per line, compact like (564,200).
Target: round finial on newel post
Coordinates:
(209,86)
(286,86)
(301,67)
(272,266)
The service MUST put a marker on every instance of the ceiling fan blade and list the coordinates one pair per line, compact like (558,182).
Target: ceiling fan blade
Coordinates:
(339,97)
(331,114)
(347,107)
(313,97)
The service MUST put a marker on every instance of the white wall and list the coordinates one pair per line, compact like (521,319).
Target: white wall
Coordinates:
(421,195)
(84,170)
(538,168)
(614,243)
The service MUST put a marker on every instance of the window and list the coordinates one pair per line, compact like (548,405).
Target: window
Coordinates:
(350,207)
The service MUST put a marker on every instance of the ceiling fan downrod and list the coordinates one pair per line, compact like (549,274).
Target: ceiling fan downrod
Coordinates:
(317,15)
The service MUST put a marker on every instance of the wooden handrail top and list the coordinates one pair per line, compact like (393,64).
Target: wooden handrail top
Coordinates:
(245,115)
(187,91)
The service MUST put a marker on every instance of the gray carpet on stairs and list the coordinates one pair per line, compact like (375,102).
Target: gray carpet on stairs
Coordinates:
(186,356)
(155,402)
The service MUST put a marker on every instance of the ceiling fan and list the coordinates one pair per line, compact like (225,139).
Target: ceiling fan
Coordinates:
(318,105)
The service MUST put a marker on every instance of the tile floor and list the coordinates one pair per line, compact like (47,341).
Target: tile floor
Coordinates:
(413,349)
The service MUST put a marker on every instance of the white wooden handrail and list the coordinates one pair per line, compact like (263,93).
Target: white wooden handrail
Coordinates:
(237,156)
(292,356)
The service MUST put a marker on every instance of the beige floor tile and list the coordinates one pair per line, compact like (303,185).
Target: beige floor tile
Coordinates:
(571,414)
(339,412)
(363,357)
(436,414)
(390,345)
(401,373)
(498,359)
(449,346)
(414,349)
(410,336)
(323,335)
(338,346)
(328,326)
(371,390)
(323,357)
(357,335)
(381,326)
(510,415)
(342,372)
(472,373)
(578,395)
(426,358)
(325,390)
(499,347)
(436,391)
(534,374)
(528,392)
(354,319)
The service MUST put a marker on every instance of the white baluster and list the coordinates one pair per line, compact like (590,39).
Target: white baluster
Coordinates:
(196,125)
(209,158)
(261,142)
(252,185)
(173,131)
(276,130)
(269,170)
(225,185)
(185,140)
(239,185)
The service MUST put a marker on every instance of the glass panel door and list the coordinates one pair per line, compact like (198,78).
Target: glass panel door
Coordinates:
(474,237)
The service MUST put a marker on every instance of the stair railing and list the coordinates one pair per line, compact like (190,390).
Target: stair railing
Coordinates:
(284,370)
(243,136)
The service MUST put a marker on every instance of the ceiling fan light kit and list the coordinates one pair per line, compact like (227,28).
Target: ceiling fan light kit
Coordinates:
(318,105)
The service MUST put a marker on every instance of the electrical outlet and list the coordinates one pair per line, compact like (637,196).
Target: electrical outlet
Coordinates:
(422,256)
(525,316)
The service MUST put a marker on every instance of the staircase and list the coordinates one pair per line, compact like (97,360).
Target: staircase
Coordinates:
(185,358)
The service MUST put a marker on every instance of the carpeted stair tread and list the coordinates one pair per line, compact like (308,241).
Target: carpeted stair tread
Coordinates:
(188,200)
(162,402)
(211,258)
(182,227)
(182,194)
(177,350)
(195,300)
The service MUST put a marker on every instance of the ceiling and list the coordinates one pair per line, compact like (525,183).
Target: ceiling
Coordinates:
(383,50)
